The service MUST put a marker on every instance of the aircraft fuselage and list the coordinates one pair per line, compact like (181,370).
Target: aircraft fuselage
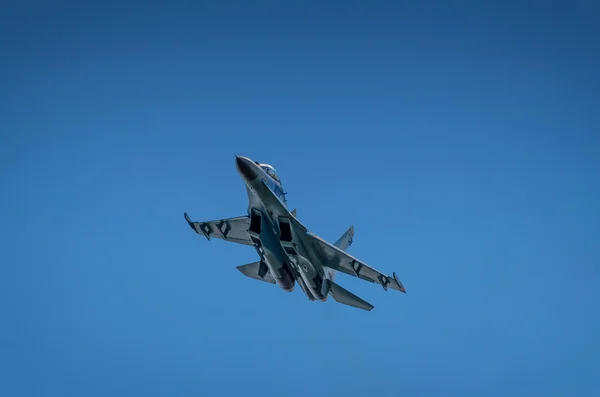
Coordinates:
(289,253)
(278,243)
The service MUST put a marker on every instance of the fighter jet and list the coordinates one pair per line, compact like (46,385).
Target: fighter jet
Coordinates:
(288,252)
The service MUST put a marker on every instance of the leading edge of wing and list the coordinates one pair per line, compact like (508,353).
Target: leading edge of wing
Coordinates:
(367,272)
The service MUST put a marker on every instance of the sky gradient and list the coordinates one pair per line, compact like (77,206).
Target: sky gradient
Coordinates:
(462,141)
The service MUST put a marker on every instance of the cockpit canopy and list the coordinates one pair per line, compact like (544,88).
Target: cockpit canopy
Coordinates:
(274,183)
(270,171)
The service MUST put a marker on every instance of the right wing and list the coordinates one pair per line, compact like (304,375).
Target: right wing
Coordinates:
(335,258)
(234,230)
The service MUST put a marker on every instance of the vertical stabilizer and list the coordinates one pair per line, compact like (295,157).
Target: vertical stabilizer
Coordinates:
(346,240)
(343,243)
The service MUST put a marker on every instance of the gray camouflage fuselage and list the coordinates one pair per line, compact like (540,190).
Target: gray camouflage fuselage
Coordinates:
(284,252)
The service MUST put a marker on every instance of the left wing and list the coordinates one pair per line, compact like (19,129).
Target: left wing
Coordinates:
(335,258)
(234,230)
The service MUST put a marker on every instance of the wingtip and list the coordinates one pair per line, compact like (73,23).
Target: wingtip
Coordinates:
(400,286)
(189,221)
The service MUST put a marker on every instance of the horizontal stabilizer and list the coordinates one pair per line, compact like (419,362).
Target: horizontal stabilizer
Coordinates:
(258,271)
(346,297)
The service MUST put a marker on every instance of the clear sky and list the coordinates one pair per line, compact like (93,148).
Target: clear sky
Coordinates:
(462,141)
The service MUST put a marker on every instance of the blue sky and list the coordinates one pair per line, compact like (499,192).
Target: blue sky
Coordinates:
(460,140)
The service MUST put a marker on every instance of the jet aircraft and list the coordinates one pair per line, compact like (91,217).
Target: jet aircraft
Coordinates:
(290,254)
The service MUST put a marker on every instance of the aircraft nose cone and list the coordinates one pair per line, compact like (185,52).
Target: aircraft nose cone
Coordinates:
(246,168)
